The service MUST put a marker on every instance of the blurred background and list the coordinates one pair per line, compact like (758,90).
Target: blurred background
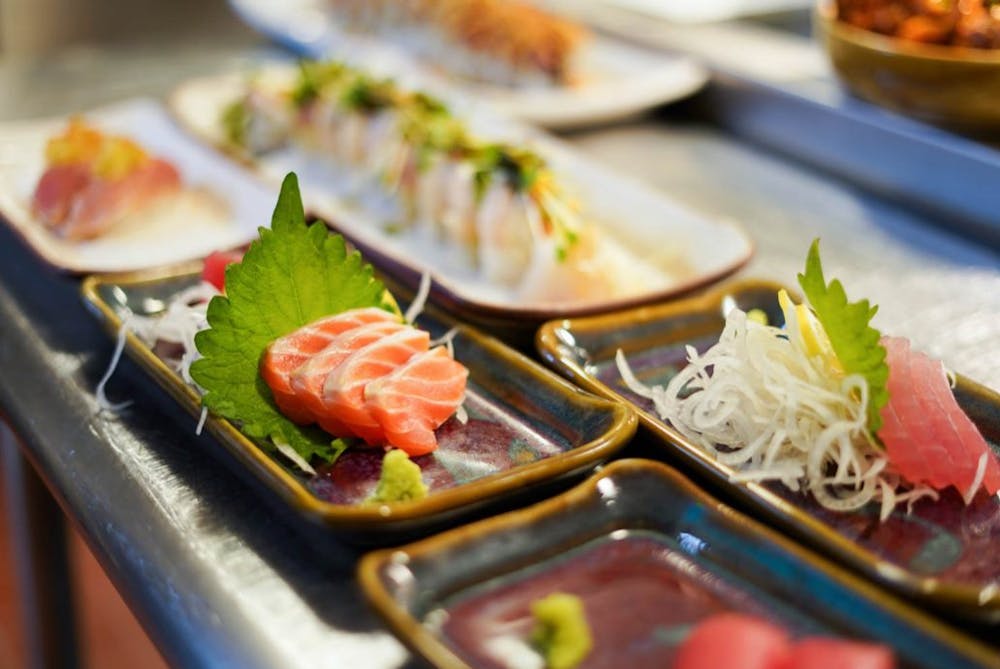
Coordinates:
(34,27)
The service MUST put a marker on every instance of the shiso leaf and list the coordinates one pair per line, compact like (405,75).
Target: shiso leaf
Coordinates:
(847,324)
(292,275)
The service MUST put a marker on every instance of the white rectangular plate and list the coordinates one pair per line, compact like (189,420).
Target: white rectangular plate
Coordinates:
(240,203)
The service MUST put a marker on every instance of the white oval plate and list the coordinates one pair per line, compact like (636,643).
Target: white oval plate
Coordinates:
(690,250)
(616,80)
(168,235)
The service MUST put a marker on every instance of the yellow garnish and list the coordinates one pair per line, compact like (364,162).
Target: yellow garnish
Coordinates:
(400,480)
(79,143)
(806,328)
(561,632)
(757,316)
(118,158)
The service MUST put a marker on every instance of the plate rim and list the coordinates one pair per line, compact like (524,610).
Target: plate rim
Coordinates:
(370,517)
(959,599)
(417,637)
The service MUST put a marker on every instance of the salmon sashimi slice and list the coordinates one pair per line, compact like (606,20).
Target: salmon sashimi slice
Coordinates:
(344,388)
(927,436)
(416,398)
(308,379)
(105,202)
(56,190)
(286,354)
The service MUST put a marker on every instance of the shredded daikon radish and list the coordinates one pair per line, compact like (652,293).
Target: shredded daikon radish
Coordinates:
(291,454)
(760,403)
(977,480)
(420,300)
(103,403)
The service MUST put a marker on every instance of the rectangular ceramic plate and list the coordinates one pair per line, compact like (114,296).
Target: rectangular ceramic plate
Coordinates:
(943,553)
(691,556)
(238,199)
(612,79)
(689,250)
(526,427)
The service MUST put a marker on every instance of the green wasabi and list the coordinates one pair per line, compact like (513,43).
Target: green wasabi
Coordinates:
(561,632)
(400,480)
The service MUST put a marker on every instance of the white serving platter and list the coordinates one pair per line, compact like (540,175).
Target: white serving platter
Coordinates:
(613,79)
(690,249)
(221,208)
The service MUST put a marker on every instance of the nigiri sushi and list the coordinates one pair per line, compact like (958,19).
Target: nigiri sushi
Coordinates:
(502,41)
(92,181)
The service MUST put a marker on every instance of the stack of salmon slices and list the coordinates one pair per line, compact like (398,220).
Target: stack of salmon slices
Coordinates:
(363,373)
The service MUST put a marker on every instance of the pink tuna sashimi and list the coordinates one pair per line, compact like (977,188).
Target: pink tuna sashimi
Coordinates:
(57,188)
(308,379)
(103,202)
(733,640)
(344,389)
(927,436)
(820,653)
(286,354)
(416,398)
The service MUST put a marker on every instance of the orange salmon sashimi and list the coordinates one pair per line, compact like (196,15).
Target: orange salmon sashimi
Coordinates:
(308,379)
(927,436)
(344,388)
(416,398)
(286,354)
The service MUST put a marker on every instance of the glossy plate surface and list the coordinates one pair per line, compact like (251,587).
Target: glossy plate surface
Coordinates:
(650,555)
(615,80)
(526,427)
(225,212)
(687,249)
(943,553)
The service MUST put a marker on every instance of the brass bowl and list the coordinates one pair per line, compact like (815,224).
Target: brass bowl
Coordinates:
(947,85)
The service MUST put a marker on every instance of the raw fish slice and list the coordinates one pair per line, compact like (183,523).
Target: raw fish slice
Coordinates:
(344,388)
(308,378)
(731,640)
(416,398)
(56,190)
(820,653)
(927,436)
(286,354)
(103,203)
(504,233)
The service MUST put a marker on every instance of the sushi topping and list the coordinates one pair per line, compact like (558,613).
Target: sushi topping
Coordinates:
(739,641)
(400,480)
(292,276)
(811,406)
(561,633)
(405,134)
(93,180)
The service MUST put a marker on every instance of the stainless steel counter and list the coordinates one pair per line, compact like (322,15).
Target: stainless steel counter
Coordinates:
(213,573)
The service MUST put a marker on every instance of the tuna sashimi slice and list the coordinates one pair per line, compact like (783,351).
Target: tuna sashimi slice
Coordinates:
(57,188)
(416,398)
(308,379)
(344,388)
(733,640)
(927,436)
(286,354)
(104,202)
(820,653)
